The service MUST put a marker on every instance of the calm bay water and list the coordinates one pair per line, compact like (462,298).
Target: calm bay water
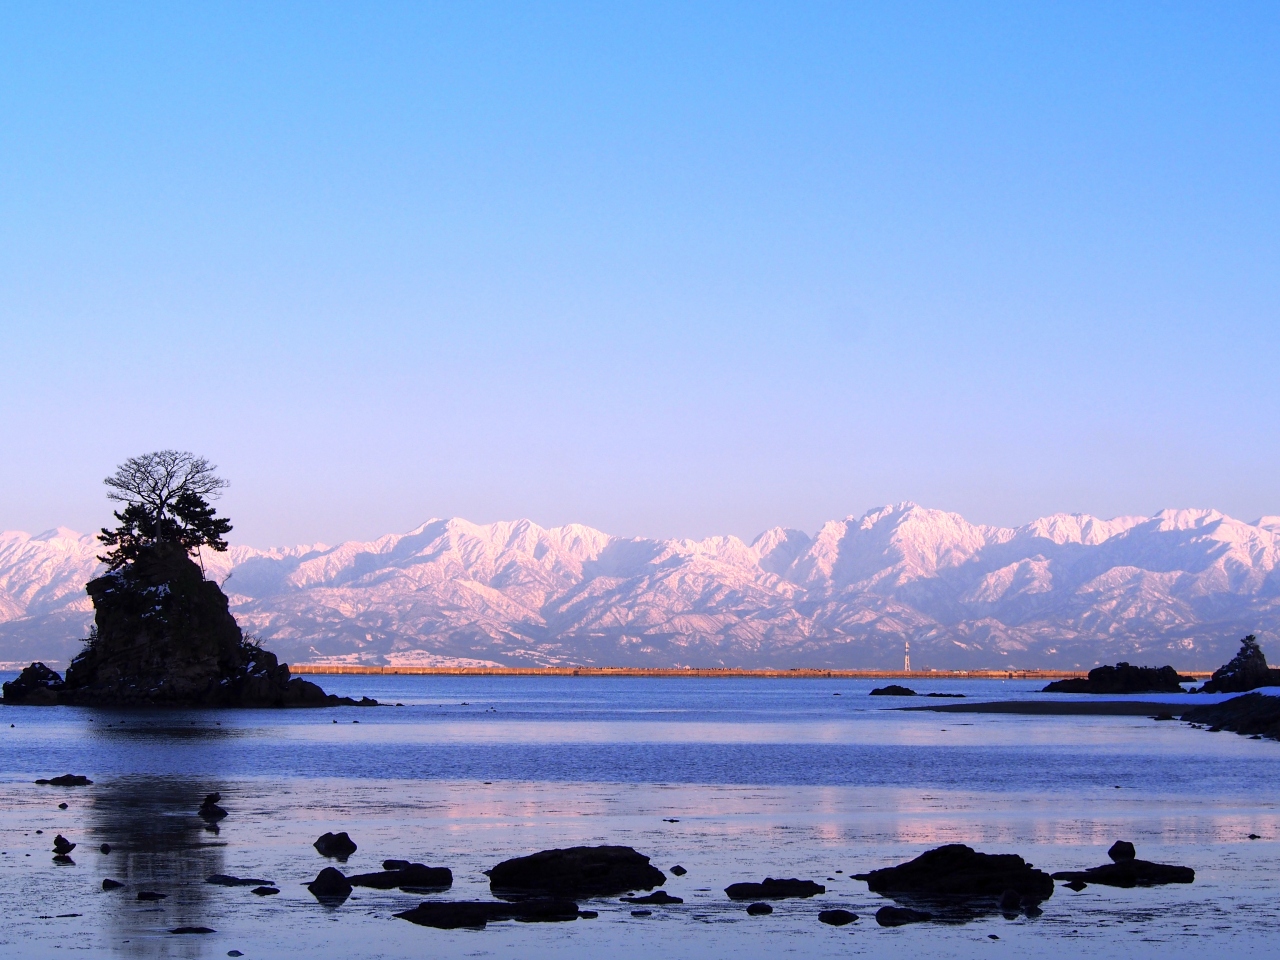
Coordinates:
(807,778)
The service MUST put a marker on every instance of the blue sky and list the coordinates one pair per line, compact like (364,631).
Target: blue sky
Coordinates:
(663,269)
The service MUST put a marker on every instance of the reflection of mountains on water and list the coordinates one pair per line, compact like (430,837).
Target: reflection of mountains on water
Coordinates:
(158,843)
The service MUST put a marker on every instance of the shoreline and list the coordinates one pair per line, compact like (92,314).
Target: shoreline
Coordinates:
(323,669)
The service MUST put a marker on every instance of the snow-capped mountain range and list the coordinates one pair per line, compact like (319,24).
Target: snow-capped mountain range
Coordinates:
(1064,591)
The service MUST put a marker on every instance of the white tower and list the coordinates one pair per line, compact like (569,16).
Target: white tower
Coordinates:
(906,663)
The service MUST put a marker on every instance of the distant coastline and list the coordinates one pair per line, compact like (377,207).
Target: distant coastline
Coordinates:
(339,669)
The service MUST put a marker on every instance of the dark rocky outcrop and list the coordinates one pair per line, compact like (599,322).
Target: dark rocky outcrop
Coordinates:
(163,635)
(893,690)
(678,870)
(958,883)
(62,846)
(1128,871)
(759,909)
(1122,678)
(1253,715)
(37,685)
(410,876)
(330,887)
(109,884)
(336,845)
(67,780)
(210,812)
(773,889)
(265,891)
(658,897)
(1247,671)
(900,916)
(603,871)
(837,918)
(451,915)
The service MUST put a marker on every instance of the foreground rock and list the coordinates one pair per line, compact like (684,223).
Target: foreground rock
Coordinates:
(837,918)
(1247,671)
(330,887)
(658,897)
(336,845)
(1127,871)
(1123,678)
(575,872)
(773,889)
(957,882)
(163,634)
(451,915)
(1254,715)
(226,880)
(901,916)
(413,877)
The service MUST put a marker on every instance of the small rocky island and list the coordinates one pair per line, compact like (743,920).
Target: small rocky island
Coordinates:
(163,634)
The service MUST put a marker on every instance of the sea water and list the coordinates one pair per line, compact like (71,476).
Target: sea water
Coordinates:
(733,778)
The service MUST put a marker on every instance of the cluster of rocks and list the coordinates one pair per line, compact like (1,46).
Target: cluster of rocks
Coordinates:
(1126,870)
(1254,715)
(164,635)
(1123,678)
(898,690)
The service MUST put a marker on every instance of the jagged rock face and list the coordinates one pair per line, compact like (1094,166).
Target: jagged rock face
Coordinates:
(165,635)
(1247,670)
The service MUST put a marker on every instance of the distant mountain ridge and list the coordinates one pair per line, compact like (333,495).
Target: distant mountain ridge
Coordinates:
(1063,591)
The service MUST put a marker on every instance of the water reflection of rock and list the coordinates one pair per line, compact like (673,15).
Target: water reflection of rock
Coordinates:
(158,843)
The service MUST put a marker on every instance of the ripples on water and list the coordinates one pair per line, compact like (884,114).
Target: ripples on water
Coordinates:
(764,776)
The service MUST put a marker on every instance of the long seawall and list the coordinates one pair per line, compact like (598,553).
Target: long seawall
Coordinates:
(336,669)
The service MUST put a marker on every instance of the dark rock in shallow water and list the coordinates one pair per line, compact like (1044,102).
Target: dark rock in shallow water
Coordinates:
(394,864)
(660,897)
(1247,671)
(1127,871)
(67,780)
(181,930)
(36,686)
(772,889)
(265,891)
(759,909)
(337,845)
(164,635)
(63,859)
(210,811)
(678,871)
(62,846)
(1122,678)
(1254,714)
(900,916)
(837,918)
(949,696)
(893,690)
(603,871)
(957,883)
(413,876)
(1076,885)
(151,896)
(451,915)
(1122,850)
(226,880)
(109,884)
(330,886)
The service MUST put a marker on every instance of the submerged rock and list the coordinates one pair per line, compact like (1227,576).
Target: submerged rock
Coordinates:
(226,880)
(959,882)
(109,884)
(1128,871)
(837,918)
(659,897)
(151,896)
(182,930)
(900,916)
(1122,678)
(893,690)
(265,891)
(772,889)
(412,876)
(336,845)
(450,915)
(67,780)
(759,909)
(603,871)
(1246,671)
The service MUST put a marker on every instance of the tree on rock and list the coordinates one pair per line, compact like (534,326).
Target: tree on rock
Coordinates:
(166,496)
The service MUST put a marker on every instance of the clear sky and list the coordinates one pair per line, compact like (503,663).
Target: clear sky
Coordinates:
(663,269)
